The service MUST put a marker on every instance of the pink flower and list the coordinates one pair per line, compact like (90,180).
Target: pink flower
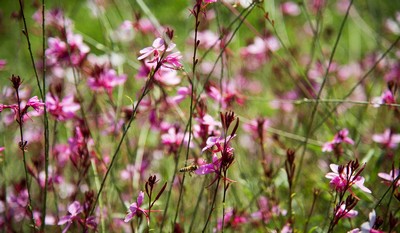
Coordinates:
(72,53)
(290,8)
(368,227)
(209,1)
(256,126)
(63,110)
(156,49)
(134,209)
(213,167)
(232,219)
(174,60)
(173,139)
(391,177)
(344,213)
(216,141)
(35,103)
(3,63)
(386,98)
(340,137)
(106,79)
(388,139)
(74,210)
(342,178)
(125,32)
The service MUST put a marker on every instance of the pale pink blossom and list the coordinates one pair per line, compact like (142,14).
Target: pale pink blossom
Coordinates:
(344,179)
(340,137)
(157,48)
(3,63)
(388,139)
(134,209)
(106,80)
(391,177)
(386,98)
(74,210)
(344,213)
(72,53)
(290,8)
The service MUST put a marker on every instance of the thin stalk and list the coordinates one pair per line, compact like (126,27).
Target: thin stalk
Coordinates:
(315,196)
(22,146)
(196,12)
(26,33)
(199,197)
(223,200)
(314,110)
(213,202)
(133,116)
(45,121)
(365,76)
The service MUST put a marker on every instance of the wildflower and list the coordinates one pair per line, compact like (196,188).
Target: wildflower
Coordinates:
(290,8)
(74,210)
(340,137)
(386,98)
(267,210)
(218,142)
(134,209)
(72,53)
(173,139)
(388,139)
(391,177)
(213,167)
(3,63)
(157,48)
(35,103)
(345,212)
(64,109)
(232,219)
(124,33)
(105,78)
(371,226)
(257,127)
(344,177)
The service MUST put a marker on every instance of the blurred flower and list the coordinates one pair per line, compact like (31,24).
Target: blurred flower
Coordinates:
(35,103)
(232,219)
(343,212)
(134,209)
(71,54)
(340,137)
(54,18)
(124,33)
(386,98)
(369,227)
(3,63)
(388,139)
(290,8)
(393,25)
(267,210)
(62,110)
(74,210)
(391,177)
(105,78)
